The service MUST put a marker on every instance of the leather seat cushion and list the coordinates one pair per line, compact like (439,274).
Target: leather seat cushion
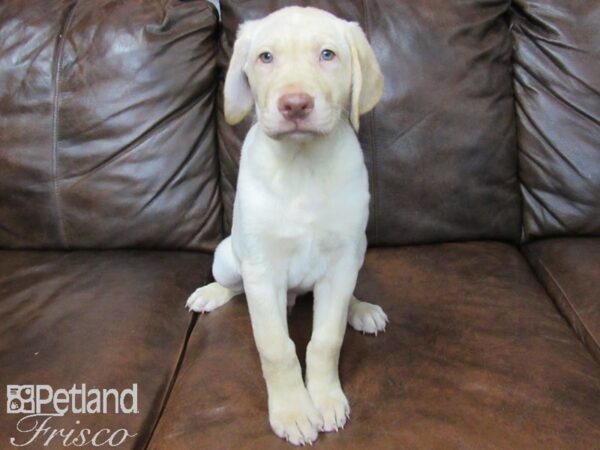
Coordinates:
(475,353)
(570,270)
(106,319)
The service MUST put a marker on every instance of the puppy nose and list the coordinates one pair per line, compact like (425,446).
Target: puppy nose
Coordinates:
(296,106)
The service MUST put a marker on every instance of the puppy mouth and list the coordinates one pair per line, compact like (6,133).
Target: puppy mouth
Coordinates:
(296,129)
(296,133)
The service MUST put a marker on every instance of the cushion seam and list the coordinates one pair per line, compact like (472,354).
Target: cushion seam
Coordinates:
(60,45)
(568,302)
(172,379)
(175,374)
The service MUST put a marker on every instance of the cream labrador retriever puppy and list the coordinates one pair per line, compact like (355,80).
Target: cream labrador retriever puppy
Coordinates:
(301,206)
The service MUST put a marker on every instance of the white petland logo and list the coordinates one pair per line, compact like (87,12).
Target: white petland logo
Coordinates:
(41,403)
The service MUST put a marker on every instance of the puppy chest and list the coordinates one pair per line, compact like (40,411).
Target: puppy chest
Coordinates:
(309,257)
(303,239)
(319,215)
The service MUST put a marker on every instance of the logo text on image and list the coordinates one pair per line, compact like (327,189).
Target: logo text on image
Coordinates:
(40,404)
(43,398)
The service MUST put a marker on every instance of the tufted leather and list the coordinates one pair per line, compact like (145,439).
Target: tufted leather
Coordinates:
(440,147)
(107,134)
(557,93)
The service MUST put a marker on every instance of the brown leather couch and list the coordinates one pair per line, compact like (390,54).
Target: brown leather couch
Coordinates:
(117,177)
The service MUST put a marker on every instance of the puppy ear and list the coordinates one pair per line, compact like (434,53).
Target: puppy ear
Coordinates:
(367,80)
(237,92)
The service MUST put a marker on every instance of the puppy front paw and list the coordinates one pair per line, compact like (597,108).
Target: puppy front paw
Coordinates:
(333,406)
(295,418)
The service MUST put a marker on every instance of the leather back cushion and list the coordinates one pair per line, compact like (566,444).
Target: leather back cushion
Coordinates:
(441,146)
(557,88)
(107,135)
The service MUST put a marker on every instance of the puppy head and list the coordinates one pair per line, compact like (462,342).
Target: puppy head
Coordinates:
(304,70)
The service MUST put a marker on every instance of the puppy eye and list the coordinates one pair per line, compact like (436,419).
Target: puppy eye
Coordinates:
(266,57)
(327,55)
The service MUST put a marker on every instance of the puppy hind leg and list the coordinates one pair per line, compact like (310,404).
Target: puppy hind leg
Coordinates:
(228,282)
(226,268)
(366,317)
